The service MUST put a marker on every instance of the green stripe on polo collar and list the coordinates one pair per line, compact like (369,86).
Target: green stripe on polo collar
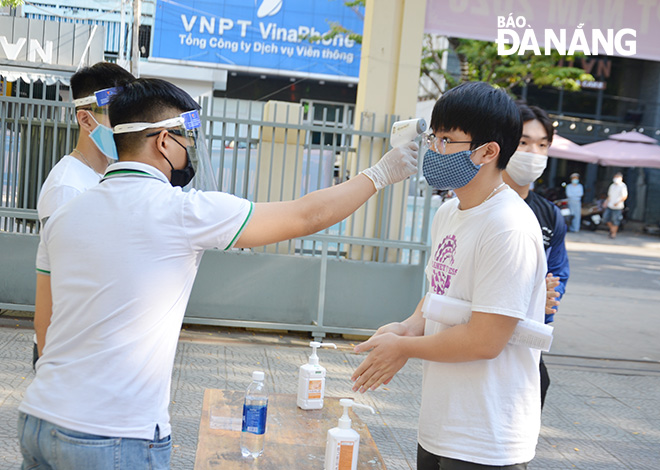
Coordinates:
(128,172)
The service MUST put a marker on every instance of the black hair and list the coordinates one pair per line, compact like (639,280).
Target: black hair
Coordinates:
(146,100)
(531,113)
(86,81)
(485,113)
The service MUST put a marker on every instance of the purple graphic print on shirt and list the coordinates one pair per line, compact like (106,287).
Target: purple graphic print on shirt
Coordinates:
(442,263)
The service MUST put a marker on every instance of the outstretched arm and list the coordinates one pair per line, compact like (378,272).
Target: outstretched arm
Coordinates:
(273,222)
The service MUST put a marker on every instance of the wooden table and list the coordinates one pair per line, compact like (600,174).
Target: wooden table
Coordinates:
(295,438)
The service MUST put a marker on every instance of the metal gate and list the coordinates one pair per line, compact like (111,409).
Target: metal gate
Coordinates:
(350,278)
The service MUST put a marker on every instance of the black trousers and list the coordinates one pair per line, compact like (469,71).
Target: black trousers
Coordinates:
(429,461)
(545,380)
(35,356)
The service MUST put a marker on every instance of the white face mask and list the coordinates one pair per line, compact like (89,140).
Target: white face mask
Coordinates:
(617,180)
(526,167)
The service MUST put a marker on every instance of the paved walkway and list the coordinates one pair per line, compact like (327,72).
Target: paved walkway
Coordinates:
(599,414)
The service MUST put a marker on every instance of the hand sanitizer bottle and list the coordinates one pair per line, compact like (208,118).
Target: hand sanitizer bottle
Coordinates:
(343,442)
(311,380)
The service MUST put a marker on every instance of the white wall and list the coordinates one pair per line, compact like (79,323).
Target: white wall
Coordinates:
(195,80)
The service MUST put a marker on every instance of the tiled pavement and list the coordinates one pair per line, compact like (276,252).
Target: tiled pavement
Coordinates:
(599,415)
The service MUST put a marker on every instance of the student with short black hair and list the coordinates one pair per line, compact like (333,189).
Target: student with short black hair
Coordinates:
(84,166)
(480,395)
(115,268)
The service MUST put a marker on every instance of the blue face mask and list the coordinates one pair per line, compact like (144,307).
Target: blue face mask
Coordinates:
(102,138)
(449,171)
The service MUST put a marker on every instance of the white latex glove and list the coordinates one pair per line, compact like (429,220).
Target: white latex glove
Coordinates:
(396,165)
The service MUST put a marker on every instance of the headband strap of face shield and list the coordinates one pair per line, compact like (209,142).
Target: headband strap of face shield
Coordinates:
(191,127)
(143,126)
(99,98)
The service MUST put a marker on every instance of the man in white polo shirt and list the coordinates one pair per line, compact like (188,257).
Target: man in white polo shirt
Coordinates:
(84,166)
(115,269)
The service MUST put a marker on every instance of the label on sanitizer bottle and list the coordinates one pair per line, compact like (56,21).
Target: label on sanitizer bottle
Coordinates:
(314,389)
(345,460)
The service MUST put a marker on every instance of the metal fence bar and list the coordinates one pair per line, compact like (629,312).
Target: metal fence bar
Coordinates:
(56,131)
(6,134)
(70,117)
(296,161)
(322,287)
(13,168)
(43,117)
(223,136)
(30,214)
(28,142)
(371,163)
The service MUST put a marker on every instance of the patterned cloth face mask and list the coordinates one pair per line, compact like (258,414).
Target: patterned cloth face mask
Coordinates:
(449,171)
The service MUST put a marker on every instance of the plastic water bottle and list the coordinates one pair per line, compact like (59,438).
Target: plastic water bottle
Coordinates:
(254,417)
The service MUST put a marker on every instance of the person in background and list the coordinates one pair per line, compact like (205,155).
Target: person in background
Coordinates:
(524,167)
(614,204)
(95,148)
(574,193)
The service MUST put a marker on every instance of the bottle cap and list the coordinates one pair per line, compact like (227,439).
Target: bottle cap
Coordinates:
(344,420)
(258,376)
(314,359)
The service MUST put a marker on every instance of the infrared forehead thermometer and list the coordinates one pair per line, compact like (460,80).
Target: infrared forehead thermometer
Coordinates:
(405,131)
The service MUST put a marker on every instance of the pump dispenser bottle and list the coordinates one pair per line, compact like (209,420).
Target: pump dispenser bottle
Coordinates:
(311,380)
(404,131)
(343,442)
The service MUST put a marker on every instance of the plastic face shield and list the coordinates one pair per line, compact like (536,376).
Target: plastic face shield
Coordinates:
(187,125)
(98,102)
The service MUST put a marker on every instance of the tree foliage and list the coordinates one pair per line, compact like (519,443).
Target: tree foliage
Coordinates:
(480,61)
(11,3)
(337,28)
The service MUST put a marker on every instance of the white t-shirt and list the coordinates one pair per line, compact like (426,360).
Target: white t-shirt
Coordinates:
(615,194)
(122,259)
(486,411)
(68,178)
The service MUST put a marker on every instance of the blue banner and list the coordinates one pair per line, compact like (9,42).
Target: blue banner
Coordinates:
(259,34)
